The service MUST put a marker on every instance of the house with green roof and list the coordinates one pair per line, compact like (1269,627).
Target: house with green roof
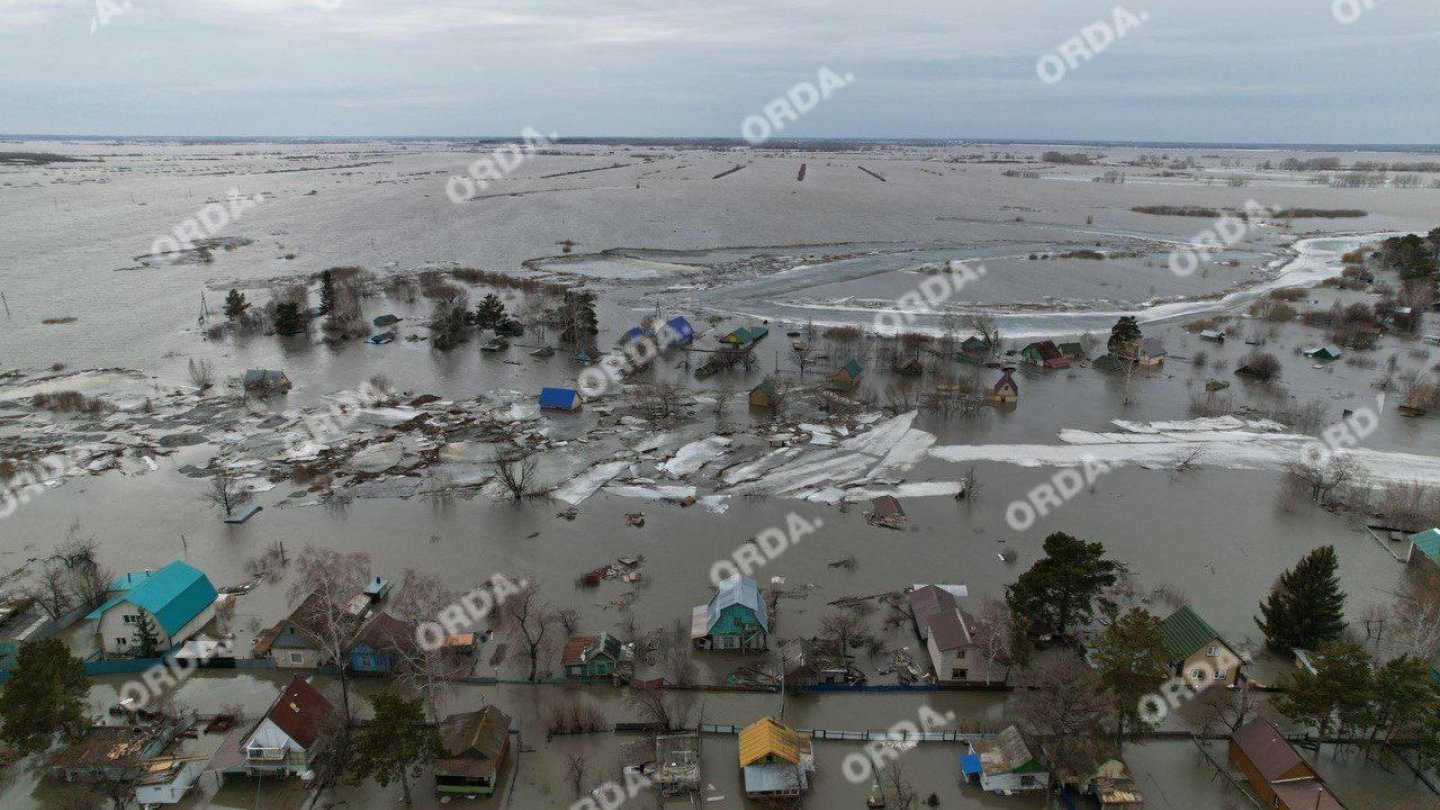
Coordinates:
(173,603)
(1195,651)
(1425,550)
(848,376)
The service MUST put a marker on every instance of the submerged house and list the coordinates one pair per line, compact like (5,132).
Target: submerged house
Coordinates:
(1280,777)
(593,656)
(294,641)
(382,646)
(735,618)
(1113,786)
(776,761)
(114,753)
(886,512)
(1073,351)
(262,379)
(1045,353)
(1195,651)
(1331,352)
(1149,352)
(172,603)
(474,747)
(1005,391)
(1004,764)
(810,662)
(677,764)
(974,350)
(560,399)
(285,741)
(1424,550)
(764,395)
(745,336)
(848,376)
(678,331)
(945,629)
(1212,335)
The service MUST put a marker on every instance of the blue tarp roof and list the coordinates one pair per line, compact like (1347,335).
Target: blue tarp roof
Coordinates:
(635,333)
(558,397)
(970,764)
(736,591)
(175,594)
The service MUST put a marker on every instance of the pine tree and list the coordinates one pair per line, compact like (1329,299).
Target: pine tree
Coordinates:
(147,640)
(1340,692)
(327,292)
(395,745)
(288,320)
(1132,660)
(1306,608)
(1123,336)
(1061,588)
(579,325)
(235,304)
(490,312)
(46,695)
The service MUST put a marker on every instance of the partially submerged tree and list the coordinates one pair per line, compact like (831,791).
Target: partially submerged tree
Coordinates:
(490,312)
(531,622)
(396,745)
(45,696)
(1063,702)
(235,305)
(327,580)
(421,598)
(1124,337)
(225,491)
(515,473)
(1306,607)
(1132,660)
(1061,589)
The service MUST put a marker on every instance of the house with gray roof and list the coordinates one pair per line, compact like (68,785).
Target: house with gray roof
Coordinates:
(734,619)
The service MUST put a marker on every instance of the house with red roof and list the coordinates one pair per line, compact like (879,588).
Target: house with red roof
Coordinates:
(286,739)
(1279,776)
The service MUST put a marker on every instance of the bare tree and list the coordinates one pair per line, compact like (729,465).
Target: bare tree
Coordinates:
(986,327)
(1321,477)
(1228,709)
(801,355)
(225,491)
(900,794)
(327,581)
(723,394)
(531,622)
(427,671)
(577,767)
(991,633)
(846,628)
(51,589)
(1063,701)
(516,473)
(663,709)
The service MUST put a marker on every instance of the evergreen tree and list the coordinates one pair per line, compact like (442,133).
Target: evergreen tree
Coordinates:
(327,292)
(1132,660)
(1407,702)
(449,325)
(395,745)
(578,323)
(1306,608)
(1061,588)
(1340,692)
(1123,336)
(490,312)
(288,318)
(235,304)
(147,642)
(45,695)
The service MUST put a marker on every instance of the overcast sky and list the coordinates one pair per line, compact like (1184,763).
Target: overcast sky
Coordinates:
(1196,70)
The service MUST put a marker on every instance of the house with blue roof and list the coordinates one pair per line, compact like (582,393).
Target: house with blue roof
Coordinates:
(678,331)
(560,399)
(734,619)
(174,602)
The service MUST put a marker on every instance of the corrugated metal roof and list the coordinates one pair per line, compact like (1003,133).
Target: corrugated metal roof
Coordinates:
(766,737)
(1184,632)
(175,595)
(565,398)
(736,590)
(1428,543)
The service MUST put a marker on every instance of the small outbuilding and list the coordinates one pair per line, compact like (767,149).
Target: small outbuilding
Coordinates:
(1212,335)
(887,512)
(1045,353)
(849,375)
(1331,352)
(678,331)
(764,395)
(474,747)
(560,399)
(775,760)
(1005,391)
(264,379)
(1005,764)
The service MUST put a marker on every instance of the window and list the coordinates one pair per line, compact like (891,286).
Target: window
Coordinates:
(1213,651)
(958,673)
(121,641)
(296,657)
(130,618)
(1219,674)
(1197,674)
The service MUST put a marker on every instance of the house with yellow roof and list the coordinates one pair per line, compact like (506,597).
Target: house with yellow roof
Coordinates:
(775,759)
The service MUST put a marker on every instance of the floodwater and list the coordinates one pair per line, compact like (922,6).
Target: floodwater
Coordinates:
(1216,536)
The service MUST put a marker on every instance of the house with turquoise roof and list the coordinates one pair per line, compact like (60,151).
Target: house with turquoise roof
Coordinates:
(173,602)
(1425,550)
(735,618)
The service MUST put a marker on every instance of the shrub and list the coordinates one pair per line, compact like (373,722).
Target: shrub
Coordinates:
(1261,365)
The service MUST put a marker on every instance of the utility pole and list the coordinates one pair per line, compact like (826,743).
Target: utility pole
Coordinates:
(6,302)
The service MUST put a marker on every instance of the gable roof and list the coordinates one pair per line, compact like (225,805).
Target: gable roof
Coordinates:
(766,737)
(385,633)
(175,595)
(1184,633)
(1266,749)
(476,734)
(1428,543)
(680,328)
(1045,348)
(736,590)
(1007,753)
(1007,380)
(581,650)
(938,614)
(853,368)
(301,712)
